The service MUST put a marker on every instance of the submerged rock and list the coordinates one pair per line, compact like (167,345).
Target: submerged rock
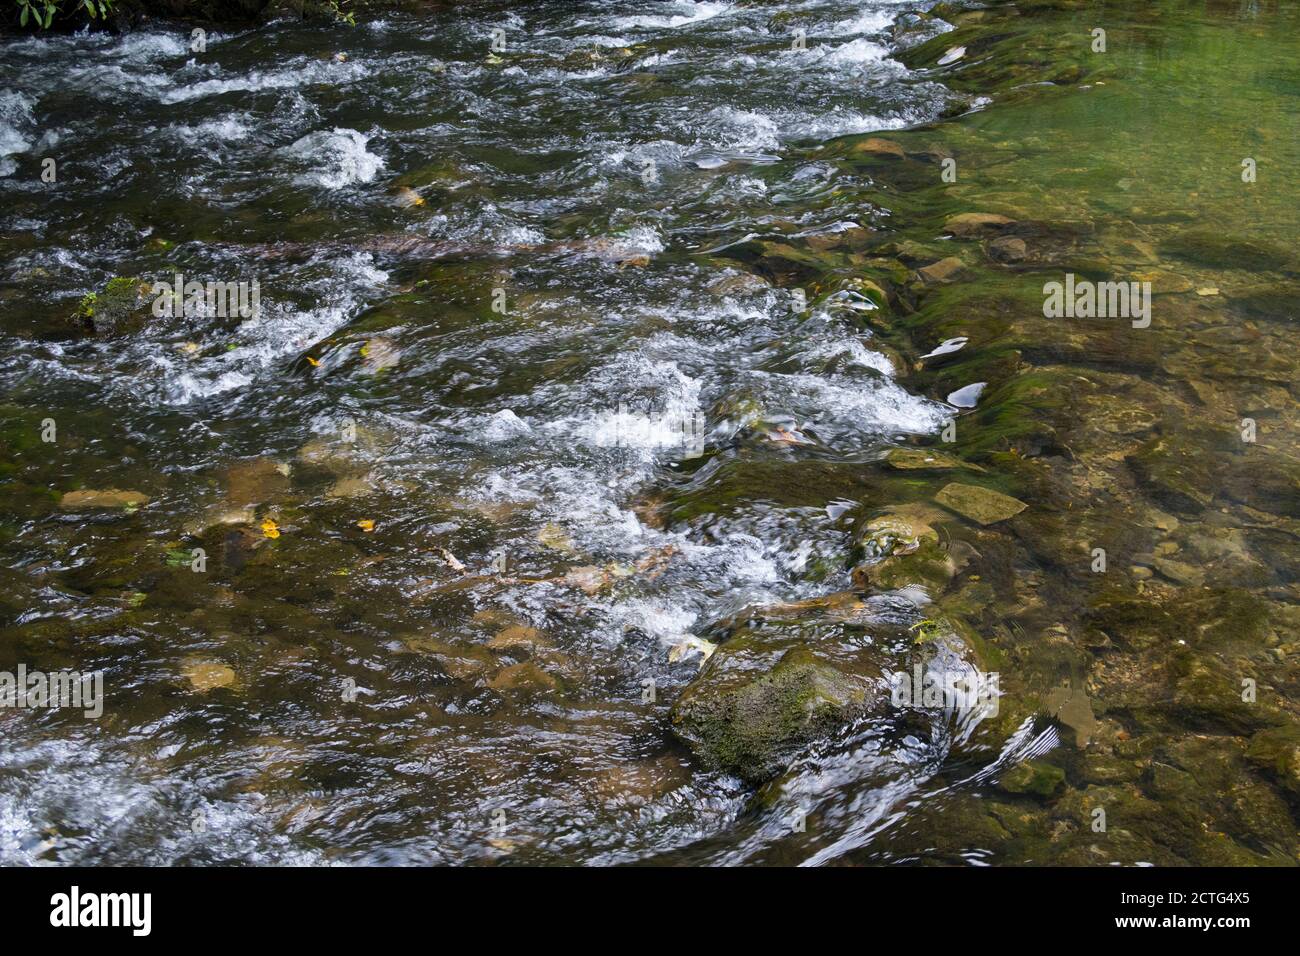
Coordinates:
(742,283)
(460,662)
(1007,249)
(1269,482)
(1164,282)
(924,459)
(1210,247)
(878,148)
(945,270)
(1179,572)
(256,481)
(972,225)
(90,500)
(1073,709)
(982,505)
(525,676)
(208,675)
(517,637)
(1179,469)
(901,547)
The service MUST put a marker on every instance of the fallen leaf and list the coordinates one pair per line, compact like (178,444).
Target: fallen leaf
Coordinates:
(685,648)
(788,435)
(366,524)
(406,196)
(379,354)
(270,529)
(587,578)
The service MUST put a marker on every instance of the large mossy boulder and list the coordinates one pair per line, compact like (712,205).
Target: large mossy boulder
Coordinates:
(759,702)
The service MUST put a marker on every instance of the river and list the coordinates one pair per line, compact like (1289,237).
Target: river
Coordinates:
(511,440)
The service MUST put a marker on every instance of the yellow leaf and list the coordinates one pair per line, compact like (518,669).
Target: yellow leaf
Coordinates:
(688,647)
(314,363)
(365,524)
(270,529)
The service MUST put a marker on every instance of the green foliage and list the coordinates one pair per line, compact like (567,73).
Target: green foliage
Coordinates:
(41,13)
(341,15)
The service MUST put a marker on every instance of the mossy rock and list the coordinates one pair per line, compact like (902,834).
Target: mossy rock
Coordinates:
(1207,695)
(751,718)
(930,566)
(122,307)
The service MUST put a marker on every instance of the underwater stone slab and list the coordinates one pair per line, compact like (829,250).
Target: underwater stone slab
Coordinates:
(982,505)
(923,459)
(970,225)
(945,270)
(90,500)
(879,148)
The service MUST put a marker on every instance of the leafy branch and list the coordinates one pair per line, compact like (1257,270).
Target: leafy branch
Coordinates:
(41,12)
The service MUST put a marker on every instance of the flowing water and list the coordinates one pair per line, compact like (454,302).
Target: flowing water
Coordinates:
(504,432)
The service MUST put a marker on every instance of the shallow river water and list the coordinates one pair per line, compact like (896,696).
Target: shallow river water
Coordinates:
(505,440)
